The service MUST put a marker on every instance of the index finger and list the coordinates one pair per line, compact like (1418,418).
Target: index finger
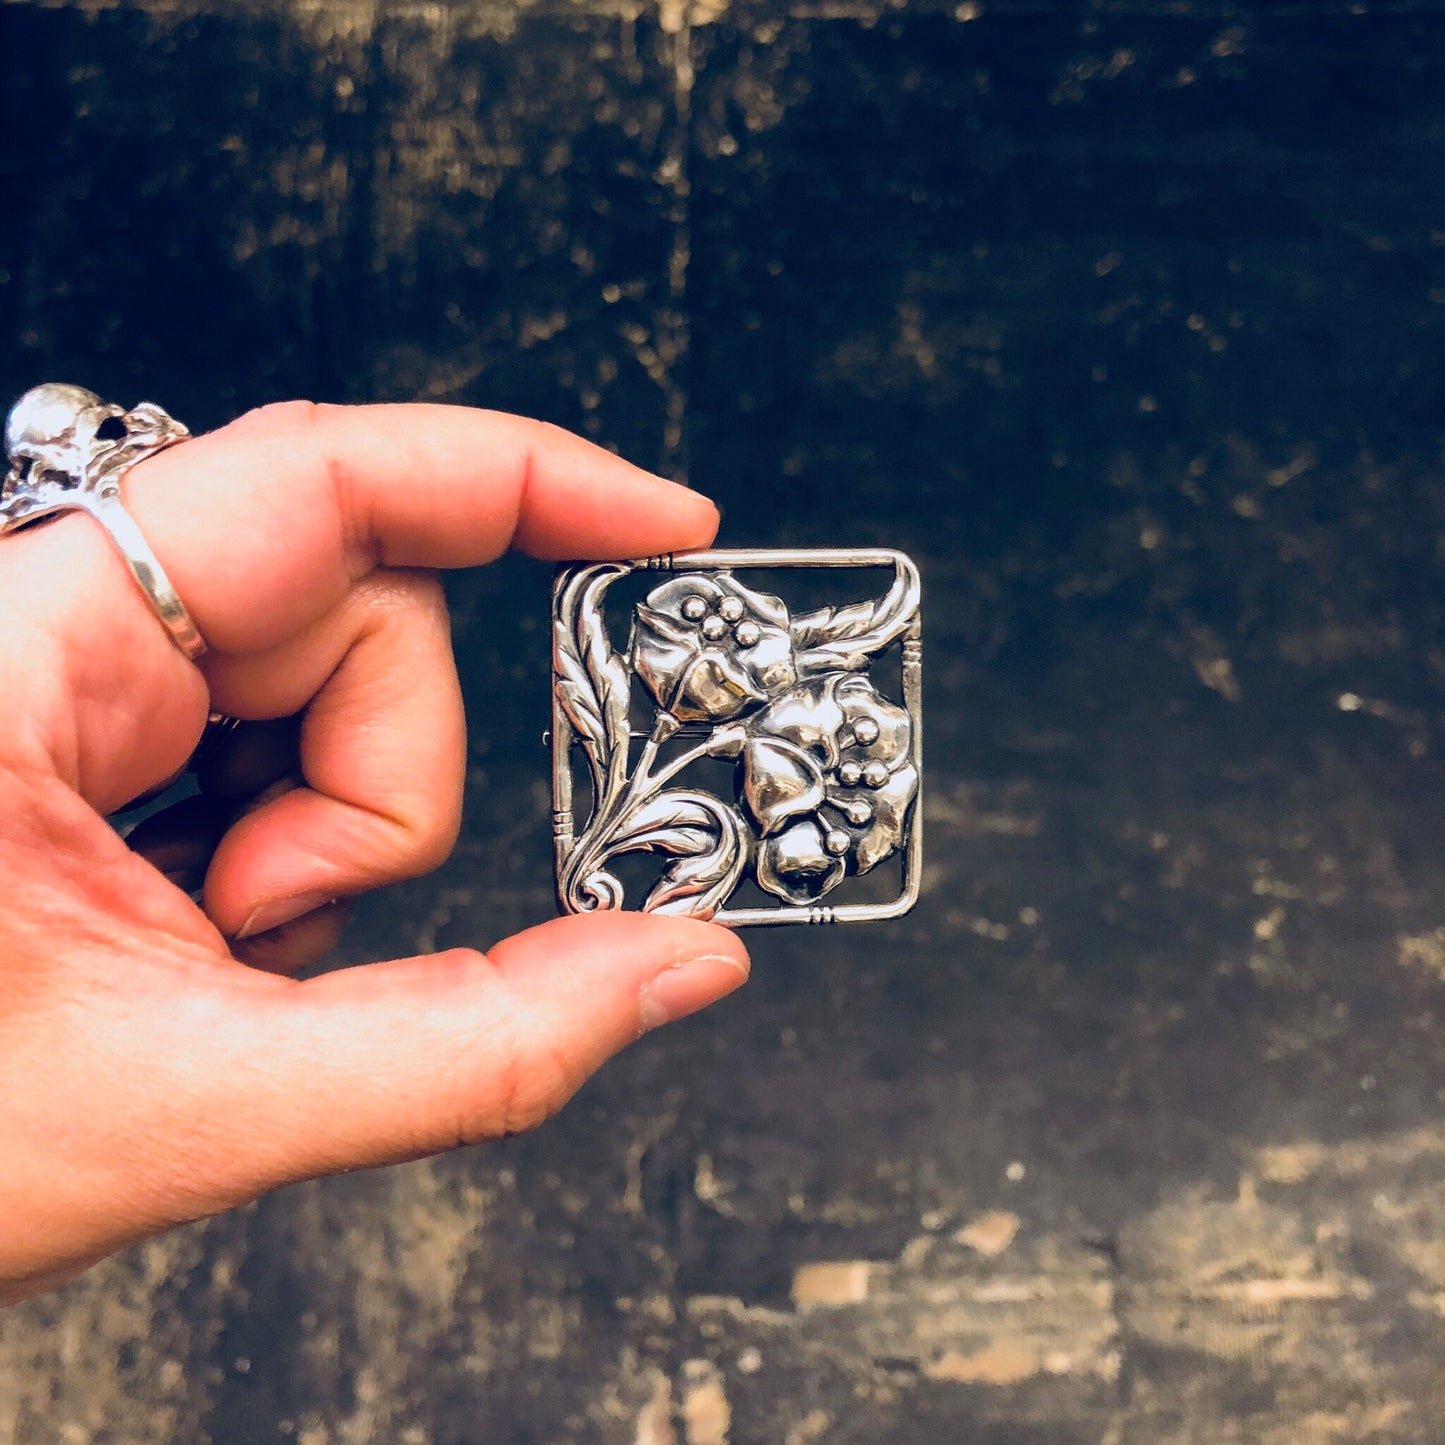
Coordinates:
(265,524)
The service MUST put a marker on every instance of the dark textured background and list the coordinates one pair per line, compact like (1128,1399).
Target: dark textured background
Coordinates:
(1125,319)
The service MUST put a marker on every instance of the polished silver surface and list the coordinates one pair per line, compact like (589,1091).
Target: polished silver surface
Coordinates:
(68,451)
(826,767)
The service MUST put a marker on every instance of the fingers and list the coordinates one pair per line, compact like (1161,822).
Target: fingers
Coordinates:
(263,527)
(382,753)
(373,1065)
(309,498)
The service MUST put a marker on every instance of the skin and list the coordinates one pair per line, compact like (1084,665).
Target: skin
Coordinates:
(159,1062)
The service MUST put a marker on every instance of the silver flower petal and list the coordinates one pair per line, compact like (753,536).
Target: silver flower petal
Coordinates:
(891,803)
(770,659)
(778,782)
(713,687)
(796,867)
(860,701)
(809,716)
(843,727)
(708,648)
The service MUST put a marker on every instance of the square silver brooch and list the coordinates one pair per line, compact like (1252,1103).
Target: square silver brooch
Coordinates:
(749,757)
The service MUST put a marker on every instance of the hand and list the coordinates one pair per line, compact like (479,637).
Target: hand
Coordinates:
(148,1075)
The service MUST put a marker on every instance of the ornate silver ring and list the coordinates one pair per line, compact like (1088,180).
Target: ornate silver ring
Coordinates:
(68,451)
(763,751)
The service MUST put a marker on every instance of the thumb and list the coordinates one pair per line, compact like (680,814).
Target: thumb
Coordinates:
(392,1061)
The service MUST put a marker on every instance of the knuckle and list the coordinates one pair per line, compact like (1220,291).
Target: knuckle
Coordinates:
(527,1079)
(284,416)
(303,426)
(537,1085)
(425,831)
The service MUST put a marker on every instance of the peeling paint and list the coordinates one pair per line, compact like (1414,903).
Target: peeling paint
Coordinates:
(654,1422)
(706,1415)
(840,1282)
(990,1234)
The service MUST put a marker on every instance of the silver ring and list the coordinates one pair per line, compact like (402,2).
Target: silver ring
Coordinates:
(68,451)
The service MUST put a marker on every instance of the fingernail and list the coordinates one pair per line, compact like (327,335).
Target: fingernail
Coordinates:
(276,911)
(686,987)
(686,486)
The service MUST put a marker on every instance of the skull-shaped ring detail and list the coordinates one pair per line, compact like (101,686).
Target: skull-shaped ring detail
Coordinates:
(68,451)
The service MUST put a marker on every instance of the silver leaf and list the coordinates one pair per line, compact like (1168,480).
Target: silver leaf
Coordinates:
(845,638)
(701,883)
(593,684)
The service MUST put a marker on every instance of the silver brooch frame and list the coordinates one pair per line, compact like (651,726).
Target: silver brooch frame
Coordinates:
(826,766)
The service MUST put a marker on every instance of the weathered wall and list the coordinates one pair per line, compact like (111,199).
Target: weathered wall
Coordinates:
(1125,319)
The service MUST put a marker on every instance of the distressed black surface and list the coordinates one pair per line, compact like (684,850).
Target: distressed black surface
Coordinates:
(1126,322)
